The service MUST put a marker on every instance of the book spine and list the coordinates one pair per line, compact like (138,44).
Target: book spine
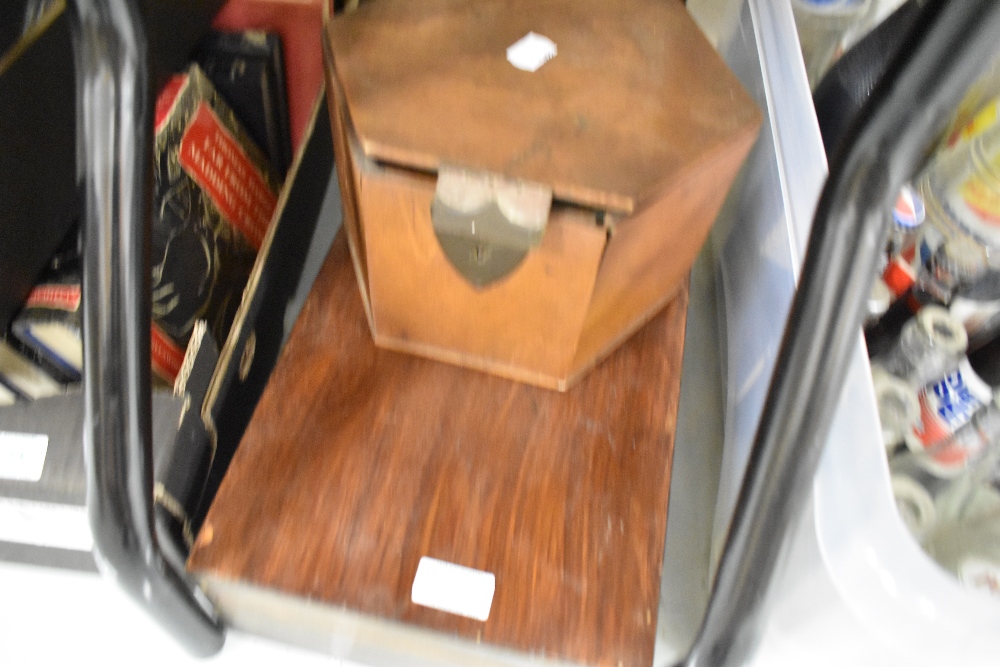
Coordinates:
(247,68)
(23,373)
(54,306)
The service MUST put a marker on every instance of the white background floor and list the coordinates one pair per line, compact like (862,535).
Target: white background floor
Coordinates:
(56,617)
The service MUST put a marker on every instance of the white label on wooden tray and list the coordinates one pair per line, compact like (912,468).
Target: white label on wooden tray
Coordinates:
(453,588)
(22,455)
(45,524)
(531,52)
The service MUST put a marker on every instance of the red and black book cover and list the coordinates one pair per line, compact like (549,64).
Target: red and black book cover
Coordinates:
(213,202)
(50,322)
(248,70)
(48,328)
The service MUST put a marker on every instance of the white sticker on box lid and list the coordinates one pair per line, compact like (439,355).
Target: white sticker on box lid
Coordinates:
(22,455)
(453,588)
(45,524)
(531,52)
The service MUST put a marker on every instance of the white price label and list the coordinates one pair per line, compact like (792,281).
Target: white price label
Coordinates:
(531,52)
(453,588)
(22,455)
(45,524)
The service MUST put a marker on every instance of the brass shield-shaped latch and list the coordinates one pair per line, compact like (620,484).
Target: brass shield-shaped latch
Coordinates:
(486,224)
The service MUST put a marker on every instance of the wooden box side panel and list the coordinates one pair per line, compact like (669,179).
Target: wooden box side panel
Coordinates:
(347,176)
(649,254)
(525,326)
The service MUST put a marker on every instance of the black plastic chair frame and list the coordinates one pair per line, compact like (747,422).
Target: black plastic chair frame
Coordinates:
(888,144)
(115,120)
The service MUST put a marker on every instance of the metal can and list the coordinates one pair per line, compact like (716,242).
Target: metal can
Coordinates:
(946,407)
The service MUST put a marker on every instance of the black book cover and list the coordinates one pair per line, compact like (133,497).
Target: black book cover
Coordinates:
(183,468)
(248,70)
(277,290)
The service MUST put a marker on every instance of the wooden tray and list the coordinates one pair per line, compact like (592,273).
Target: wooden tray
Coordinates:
(359,461)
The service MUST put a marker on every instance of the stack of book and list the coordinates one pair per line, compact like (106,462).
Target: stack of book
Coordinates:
(42,353)
(222,147)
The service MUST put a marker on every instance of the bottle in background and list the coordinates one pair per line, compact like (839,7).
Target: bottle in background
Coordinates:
(961,186)
(879,299)
(946,407)
(965,536)
(901,265)
(928,493)
(930,345)
(970,549)
(898,407)
(908,214)
(957,264)
(978,308)
(975,490)
(953,269)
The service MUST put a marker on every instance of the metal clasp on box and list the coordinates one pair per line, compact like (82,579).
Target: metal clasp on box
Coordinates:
(485,223)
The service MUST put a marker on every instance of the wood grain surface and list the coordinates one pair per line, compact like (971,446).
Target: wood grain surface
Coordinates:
(651,252)
(525,326)
(359,461)
(635,92)
(344,147)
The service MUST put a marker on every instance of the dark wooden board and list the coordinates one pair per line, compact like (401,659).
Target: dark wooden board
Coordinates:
(359,461)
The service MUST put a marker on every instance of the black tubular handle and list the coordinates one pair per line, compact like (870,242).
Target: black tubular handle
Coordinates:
(114,93)
(892,138)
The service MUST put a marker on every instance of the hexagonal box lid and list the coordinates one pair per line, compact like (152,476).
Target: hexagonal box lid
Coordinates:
(604,101)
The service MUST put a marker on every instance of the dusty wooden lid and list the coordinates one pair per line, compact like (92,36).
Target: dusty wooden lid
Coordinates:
(633,95)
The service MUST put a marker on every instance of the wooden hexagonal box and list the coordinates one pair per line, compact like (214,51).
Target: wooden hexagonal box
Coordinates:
(588,147)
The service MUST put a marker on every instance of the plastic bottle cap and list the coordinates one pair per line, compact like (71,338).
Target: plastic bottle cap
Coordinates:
(909,210)
(946,332)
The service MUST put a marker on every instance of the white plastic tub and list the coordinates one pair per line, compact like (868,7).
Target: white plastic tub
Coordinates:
(855,587)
